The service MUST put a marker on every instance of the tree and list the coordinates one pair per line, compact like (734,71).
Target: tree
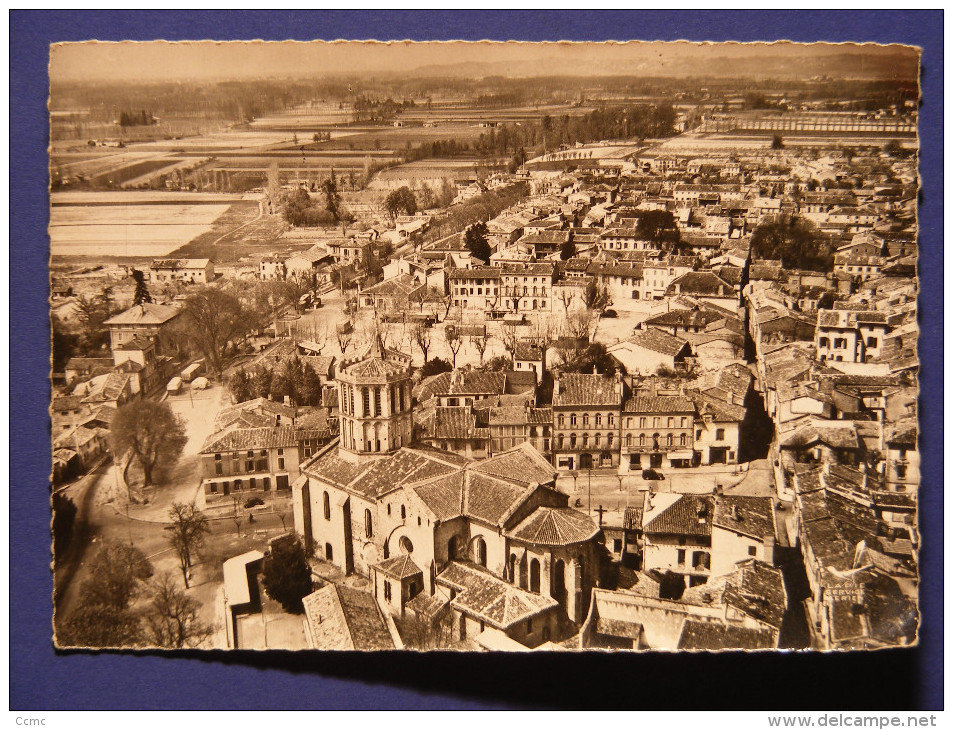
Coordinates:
(480,343)
(567,250)
(593,358)
(64,515)
(596,297)
(497,364)
(98,626)
(115,576)
(401,201)
(658,226)
(566,295)
(332,196)
(435,367)
(187,532)
(142,294)
(475,239)
(239,385)
(92,312)
(273,187)
(151,432)
(795,242)
(777,142)
(421,337)
(286,574)
(212,318)
(172,619)
(452,335)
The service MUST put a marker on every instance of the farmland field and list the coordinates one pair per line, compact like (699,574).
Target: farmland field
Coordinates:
(127,230)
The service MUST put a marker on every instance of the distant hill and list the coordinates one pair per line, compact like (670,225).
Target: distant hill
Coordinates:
(886,64)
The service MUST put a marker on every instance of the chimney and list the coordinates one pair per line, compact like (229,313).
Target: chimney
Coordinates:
(287,400)
(734,513)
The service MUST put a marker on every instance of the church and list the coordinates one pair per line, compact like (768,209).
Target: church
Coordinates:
(494,538)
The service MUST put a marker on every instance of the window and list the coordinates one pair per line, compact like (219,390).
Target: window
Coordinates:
(720,434)
(598,420)
(327,506)
(628,439)
(388,510)
(617,546)
(671,422)
(609,439)
(823,342)
(643,423)
(281,463)
(684,421)
(611,420)
(479,551)
(752,550)
(403,512)
(366,401)
(871,342)
(683,439)
(387,593)
(681,557)
(572,420)
(534,576)
(368,524)
(669,440)
(529,626)
(585,440)
(698,434)
(572,441)
(561,420)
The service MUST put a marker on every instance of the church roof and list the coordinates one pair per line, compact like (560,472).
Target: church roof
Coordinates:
(555,526)
(490,599)
(399,567)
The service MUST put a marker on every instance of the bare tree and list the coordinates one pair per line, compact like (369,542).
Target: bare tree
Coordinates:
(510,340)
(188,529)
(237,516)
(452,335)
(344,338)
(480,343)
(172,618)
(566,295)
(421,337)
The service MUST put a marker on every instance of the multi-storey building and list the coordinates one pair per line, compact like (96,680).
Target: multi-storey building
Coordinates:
(657,431)
(586,409)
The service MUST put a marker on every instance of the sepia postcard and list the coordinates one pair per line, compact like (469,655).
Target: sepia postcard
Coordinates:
(493,346)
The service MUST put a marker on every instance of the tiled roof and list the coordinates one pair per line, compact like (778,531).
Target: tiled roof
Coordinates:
(399,567)
(720,411)
(405,466)
(714,636)
(67,403)
(583,389)
(523,464)
(463,382)
(690,514)
(490,599)
(684,318)
(555,526)
(658,404)
(452,422)
(701,282)
(341,618)
(250,439)
(838,437)
(136,343)
(752,516)
(144,314)
(658,341)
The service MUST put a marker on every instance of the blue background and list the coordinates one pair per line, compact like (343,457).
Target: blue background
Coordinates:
(41,678)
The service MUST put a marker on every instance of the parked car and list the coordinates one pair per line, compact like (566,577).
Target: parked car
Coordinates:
(652,475)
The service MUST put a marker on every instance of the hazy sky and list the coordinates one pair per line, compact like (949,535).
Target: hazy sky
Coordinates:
(239,59)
